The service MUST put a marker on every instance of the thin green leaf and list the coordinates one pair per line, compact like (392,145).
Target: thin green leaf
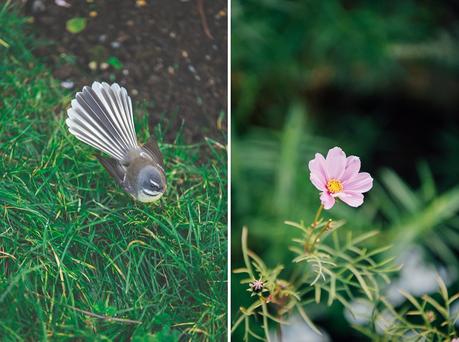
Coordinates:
(307,319)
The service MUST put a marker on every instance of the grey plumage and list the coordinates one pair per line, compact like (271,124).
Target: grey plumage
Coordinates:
(101,116)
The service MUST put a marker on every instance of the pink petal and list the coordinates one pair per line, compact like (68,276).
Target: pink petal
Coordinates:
(354,199)
(317,182)
(317,166)
(362,182)
(352,168)
(336,163)
(327,200)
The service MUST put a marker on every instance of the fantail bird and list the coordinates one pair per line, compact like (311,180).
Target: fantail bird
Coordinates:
(101,116)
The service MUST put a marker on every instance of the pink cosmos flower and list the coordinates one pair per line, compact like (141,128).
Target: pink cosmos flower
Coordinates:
(339,177)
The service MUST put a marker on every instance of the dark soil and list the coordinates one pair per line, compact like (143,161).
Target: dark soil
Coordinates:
(171,53)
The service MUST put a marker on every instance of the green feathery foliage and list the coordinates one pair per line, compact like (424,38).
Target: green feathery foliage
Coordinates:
(342,270)
(429,318)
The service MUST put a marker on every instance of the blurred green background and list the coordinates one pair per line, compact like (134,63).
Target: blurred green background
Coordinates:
(379,79)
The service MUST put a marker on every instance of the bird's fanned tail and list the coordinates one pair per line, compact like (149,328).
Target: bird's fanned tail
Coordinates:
(101,116)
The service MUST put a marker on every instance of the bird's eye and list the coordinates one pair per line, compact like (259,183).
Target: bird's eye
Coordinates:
(154,185)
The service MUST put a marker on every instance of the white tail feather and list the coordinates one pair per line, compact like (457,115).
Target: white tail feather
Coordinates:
(101,116)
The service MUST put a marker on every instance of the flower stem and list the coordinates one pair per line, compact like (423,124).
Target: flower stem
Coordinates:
(307,246)
(316,219)
(318,236)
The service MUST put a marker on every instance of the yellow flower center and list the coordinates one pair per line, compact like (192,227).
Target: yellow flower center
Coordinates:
(334,186)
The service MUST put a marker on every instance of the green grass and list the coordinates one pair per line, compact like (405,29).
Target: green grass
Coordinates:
(78,257)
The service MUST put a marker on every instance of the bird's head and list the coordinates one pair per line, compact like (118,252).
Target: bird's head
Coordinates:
(151,183)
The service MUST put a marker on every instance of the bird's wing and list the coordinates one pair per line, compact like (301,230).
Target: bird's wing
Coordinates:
(114,168)
(101,116)
(153,150)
